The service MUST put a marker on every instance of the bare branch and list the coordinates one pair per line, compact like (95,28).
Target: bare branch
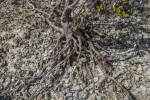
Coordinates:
(82,6)
(74,4)
(54,26)
(68,9)
(40,11)
(49,16)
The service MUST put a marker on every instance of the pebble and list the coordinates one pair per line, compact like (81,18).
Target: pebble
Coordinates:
(12,69)
(53,3)
(75,94)
(81,94)
(7,82)
(114,97)
(139,69)
(68,85)
(76,88)
(84,60)
(46,96)
(99,98)
(1,80)
(92,97)
(85,95)
(1,86)
(137,77)
(127,84)
(91,91)
(68,94)
(148,84)
(142,88)
(147,72)
(95,79)
(148,91)
(70,98)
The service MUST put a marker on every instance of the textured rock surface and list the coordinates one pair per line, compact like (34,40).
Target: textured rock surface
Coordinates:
(26,43)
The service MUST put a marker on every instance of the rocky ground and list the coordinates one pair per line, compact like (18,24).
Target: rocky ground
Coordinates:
(26,42)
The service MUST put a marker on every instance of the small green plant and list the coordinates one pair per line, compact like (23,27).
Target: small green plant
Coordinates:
(89,10)
(75,22)
(117,12)
(99,8)
(123,2)
(113,8)
(124,15)
(132,12)
(83,14)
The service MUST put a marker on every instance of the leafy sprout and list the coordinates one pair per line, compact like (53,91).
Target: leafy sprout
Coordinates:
(99,8)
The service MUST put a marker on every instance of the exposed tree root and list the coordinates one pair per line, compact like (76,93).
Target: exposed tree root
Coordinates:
(83,44)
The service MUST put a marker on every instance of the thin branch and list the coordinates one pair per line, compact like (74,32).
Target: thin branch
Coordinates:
(40,11)
(49,16)
(68,9)
(74,4)
(54,26)
(82,6)
(91,44)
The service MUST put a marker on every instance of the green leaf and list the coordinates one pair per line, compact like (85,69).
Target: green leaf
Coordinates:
(89,10)
(75,19)
(101,7)
(119,15)
(86,24)
(74,24)
(97,7)
(124,2)
(83,14)
(124,14)
(132,12)
(82,20)
(118,10)
(113,9)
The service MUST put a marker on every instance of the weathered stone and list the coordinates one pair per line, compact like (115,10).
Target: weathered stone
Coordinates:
(139,69)
(68,94)
(95,79)
(76,88)
(7,82)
